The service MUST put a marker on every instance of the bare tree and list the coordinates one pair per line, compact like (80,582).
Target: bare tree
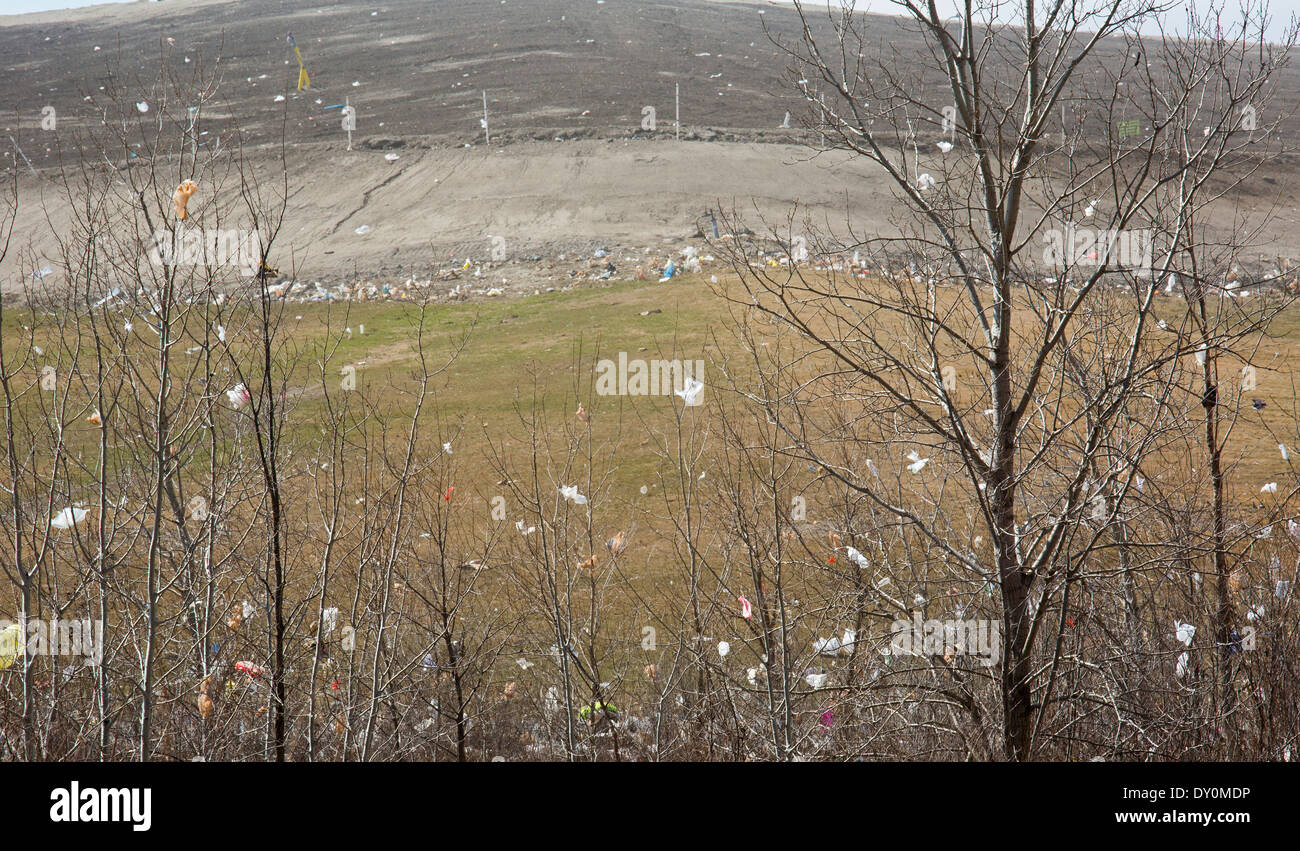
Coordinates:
(1004,378)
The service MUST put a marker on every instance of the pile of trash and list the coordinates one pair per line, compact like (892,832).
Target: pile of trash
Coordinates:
(462,277)
(465,277)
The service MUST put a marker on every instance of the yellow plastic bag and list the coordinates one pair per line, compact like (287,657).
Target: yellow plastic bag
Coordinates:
(11,645)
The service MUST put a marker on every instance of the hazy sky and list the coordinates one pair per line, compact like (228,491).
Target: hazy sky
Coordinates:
(13,7)
(1281,10)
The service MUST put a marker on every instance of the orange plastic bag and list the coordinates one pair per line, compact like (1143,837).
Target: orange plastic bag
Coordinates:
(181,198)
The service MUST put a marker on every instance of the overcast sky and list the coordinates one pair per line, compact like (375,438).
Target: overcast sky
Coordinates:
(1281,10)
(13,7)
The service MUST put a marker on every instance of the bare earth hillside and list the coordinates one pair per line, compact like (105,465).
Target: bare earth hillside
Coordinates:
(569,169)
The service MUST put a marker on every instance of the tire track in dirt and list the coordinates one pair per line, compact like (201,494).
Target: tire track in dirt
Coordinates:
(365,198)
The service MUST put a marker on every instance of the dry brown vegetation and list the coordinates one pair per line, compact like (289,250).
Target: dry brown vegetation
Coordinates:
(409,531)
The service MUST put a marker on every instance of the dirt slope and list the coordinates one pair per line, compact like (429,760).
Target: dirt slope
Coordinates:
(569,167)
